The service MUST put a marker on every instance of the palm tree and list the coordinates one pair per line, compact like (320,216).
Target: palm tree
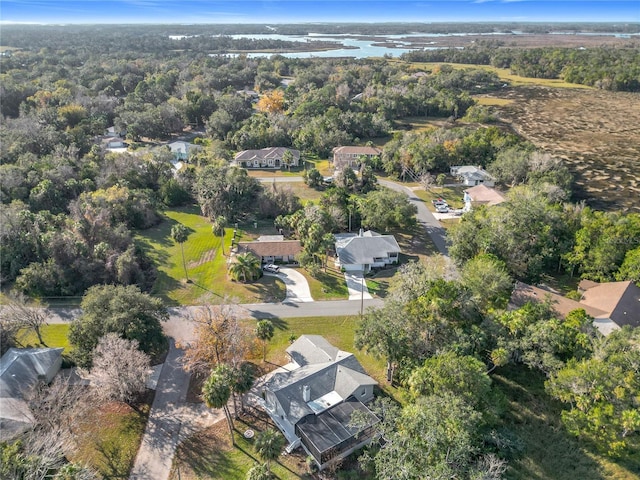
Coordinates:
(217,390)
(218,229)
(264,331)
(288,159)
(242,383)
(246,267)
(269,444)
(179,233)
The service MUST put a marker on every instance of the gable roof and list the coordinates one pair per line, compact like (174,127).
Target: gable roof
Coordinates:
(22,367)
(265,154)
(19,370)
(324,370)
(620,300)
(485,195)
(611,305)
(362,249)
(271,249)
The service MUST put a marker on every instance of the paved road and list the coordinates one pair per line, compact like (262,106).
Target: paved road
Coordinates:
(424,216)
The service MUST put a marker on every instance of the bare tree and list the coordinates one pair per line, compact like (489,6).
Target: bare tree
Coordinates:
(56,412)
(18,314)
(427,181)
(220,338)
(120,370)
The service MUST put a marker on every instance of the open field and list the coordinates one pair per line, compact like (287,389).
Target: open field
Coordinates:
(206,263)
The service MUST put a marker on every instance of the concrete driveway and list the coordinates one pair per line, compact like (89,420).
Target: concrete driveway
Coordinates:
(296,283)
(357,286)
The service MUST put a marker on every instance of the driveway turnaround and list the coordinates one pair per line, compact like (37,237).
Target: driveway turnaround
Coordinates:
(357,286)
(296,283)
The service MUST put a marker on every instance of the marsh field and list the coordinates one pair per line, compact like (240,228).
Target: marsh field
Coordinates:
(596,132)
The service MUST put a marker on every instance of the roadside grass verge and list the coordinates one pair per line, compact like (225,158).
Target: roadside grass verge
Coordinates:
(205,261)
(548,451)
(111,437)
(54,336)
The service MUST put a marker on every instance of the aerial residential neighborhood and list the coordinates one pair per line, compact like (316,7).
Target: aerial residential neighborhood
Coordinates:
(405,245)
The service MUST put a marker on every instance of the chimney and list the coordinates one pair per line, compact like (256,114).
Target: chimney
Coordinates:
(306,393)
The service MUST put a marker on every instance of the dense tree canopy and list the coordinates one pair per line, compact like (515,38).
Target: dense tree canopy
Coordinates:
(126,311)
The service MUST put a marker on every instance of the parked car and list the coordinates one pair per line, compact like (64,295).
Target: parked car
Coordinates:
(442,208)
(271,268)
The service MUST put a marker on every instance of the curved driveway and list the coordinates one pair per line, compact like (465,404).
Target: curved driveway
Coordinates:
(296,283)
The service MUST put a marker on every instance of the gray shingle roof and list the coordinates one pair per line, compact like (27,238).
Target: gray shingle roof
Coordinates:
(20,368)
(324,369)
(362,250)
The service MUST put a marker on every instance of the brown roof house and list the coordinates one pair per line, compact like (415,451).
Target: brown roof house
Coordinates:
(612,305)
(272,248)
(482,195)
(270,157)
(312,398)
(350,156)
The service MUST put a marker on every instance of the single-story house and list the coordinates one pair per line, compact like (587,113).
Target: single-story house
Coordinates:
(482,195)
(272,249)
(612,304)
(312,398)
(181,150)
(111,143)
(114,132)
(352,156)
(20,369)
(270,157)
(471,176)
(365,251)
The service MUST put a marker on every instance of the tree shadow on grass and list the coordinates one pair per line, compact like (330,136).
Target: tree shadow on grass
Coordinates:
(548,452)
(205,453)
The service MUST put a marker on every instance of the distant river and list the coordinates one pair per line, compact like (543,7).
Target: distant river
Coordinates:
(363,48)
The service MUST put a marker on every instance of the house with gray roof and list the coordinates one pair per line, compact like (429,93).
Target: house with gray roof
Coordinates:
(472,176)
(365,251)
(312,398)
(20,369)
(271,157)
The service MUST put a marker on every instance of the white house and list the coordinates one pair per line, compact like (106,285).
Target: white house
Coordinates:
(311,399)
(181,150)
(365,251)
(472,176)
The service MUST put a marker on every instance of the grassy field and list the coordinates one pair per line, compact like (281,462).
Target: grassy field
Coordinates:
(205,261)
(452,195)
(54,336)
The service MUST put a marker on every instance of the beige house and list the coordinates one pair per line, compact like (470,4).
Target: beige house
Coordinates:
(351,156)
(272,249)
(612,305)
(482,195)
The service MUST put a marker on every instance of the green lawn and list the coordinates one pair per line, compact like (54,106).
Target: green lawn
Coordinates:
(205,261)
(452,195)
(54,336)
(111,438)
(329,285)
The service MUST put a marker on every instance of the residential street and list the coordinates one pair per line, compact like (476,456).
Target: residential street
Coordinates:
(171,418)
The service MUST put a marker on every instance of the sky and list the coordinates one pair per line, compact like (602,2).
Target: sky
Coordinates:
(292,11)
